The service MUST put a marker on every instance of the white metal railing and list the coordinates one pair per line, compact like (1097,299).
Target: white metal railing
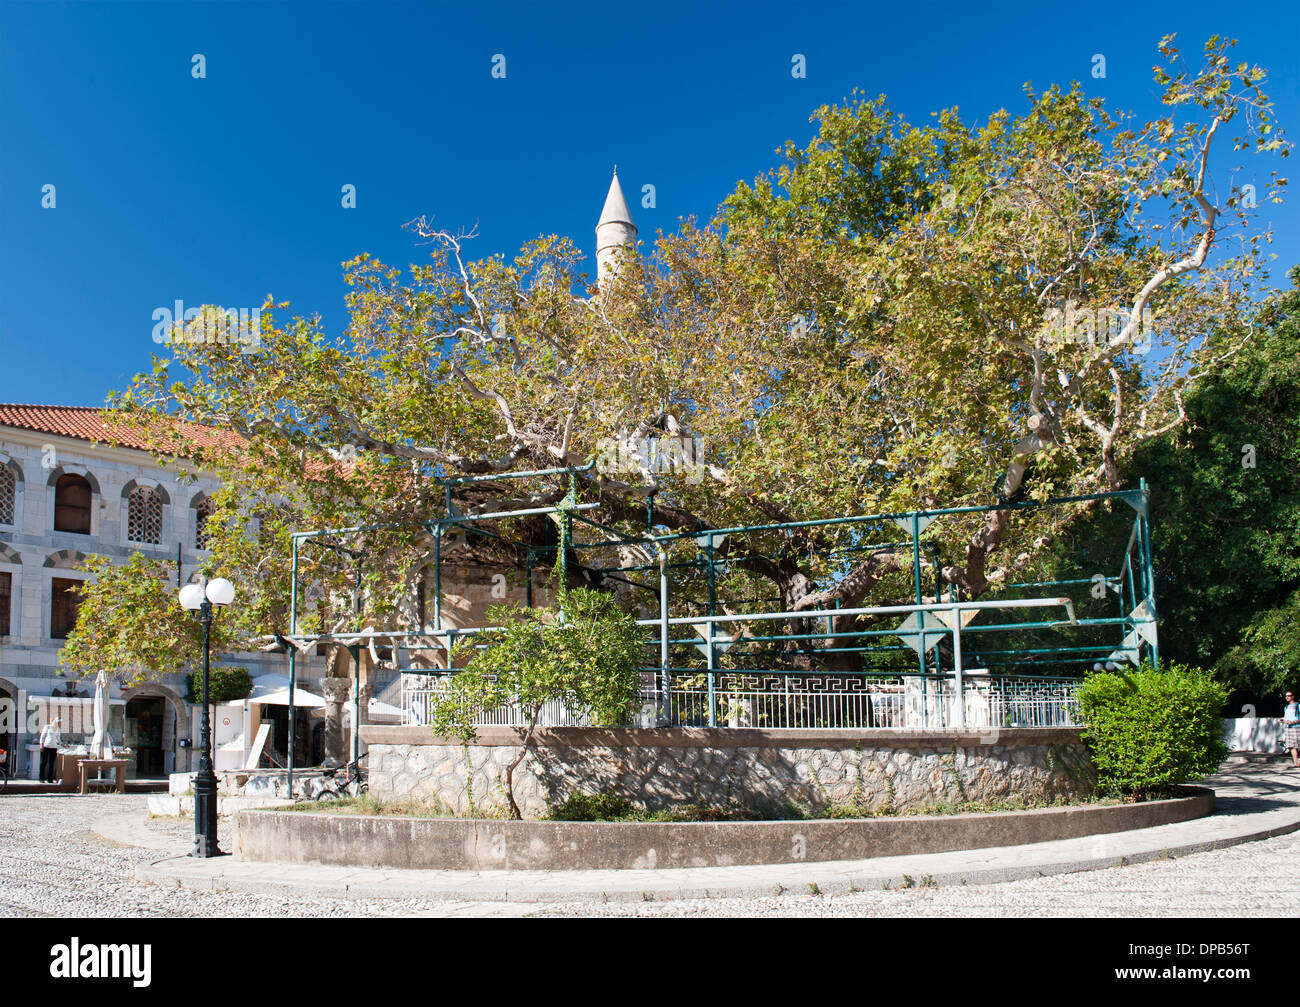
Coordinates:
(806,701)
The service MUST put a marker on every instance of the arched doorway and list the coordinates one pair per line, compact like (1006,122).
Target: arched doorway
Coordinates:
(156,719)
(11,728)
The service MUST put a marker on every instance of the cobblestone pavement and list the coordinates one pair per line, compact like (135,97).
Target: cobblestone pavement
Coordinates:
(51,863)
(1246,881)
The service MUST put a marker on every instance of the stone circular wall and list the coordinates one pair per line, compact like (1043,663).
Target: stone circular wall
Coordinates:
(485,844)
(668,767)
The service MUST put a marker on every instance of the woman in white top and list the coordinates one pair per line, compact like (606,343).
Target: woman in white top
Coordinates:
(50,750)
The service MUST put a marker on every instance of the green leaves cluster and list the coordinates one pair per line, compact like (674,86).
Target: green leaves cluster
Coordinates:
(225,684)
(586,655)
(1228,478)
(130,623)
(864,328)
(1151,730)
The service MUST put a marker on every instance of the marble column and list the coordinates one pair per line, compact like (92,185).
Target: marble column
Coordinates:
(337,691)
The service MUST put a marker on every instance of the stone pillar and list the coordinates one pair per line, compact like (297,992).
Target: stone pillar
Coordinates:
(337,691)
(363,714)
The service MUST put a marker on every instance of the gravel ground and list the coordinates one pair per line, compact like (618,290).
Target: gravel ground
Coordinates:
(52,864)
(1247,881)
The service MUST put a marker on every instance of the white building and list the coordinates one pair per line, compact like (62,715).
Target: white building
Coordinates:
(70,488)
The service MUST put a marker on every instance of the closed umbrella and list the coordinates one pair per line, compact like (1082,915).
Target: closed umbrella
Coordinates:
(101,745)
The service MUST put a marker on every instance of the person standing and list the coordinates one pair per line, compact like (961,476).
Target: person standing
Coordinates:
(1291,722)
(50,750)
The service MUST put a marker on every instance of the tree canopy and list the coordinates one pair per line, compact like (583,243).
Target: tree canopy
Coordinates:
(896,317)
(1227,555)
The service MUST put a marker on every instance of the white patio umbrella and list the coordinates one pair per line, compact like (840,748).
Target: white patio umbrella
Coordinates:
(101,745)
(301,698)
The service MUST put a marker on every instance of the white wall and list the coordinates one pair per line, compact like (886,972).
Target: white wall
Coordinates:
(1253,734)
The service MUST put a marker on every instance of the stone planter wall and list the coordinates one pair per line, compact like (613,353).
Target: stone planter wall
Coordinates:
(477,844)
(667,767)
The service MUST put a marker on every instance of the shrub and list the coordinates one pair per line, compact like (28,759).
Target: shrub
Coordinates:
(225,684)
(587,656)
(593,808)
(1150,730)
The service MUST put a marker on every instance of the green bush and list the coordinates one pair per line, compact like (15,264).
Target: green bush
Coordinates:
(586,654)
(225,684)
(1150,730)
(593,808)
(608,807)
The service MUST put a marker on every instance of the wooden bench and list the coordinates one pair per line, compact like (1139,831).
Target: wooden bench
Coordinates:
(117,765)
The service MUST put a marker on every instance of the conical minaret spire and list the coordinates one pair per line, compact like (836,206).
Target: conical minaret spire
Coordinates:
(614,232)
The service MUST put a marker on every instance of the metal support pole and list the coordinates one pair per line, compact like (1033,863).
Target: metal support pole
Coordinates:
(205,780)
(1132,587)
(293,663)
(355,651)
(293,711)
(566,534)
(356,673)
(920,619)
(665,685)
(713,693)
(959,700)
(712,662)
(1149,569)
(437,580)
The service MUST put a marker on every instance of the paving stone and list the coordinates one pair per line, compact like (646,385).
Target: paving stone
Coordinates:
(54,864)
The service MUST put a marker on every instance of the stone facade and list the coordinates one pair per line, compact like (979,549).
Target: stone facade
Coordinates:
(666,767)
(468,591)
(33,554)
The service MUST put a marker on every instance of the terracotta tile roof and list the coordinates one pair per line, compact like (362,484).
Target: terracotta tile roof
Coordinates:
(91,423)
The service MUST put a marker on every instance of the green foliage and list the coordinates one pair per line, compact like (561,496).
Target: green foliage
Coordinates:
(594,808)
(225,684)
(1225,476)
(1151,730)
(918,260)
(586,655)
(1234,607)
(129,621)
(606,807)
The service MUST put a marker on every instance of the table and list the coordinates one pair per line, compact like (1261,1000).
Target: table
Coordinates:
(117,765)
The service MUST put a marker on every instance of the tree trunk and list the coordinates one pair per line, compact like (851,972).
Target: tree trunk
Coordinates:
(515,813)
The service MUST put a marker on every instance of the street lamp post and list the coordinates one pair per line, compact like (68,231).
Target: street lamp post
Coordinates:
(201,599)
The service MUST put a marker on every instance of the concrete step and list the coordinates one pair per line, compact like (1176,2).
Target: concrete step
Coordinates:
(172,805)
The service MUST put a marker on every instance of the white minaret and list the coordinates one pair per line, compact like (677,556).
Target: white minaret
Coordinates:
(614,232)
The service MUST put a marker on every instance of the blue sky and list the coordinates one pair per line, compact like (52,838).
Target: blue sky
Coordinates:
(224,189)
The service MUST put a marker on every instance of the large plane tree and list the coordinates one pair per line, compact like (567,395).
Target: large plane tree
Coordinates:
(898,316)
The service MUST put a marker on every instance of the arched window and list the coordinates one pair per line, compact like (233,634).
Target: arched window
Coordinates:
(8,490)
(203,510)
(72,496)
(144,516)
